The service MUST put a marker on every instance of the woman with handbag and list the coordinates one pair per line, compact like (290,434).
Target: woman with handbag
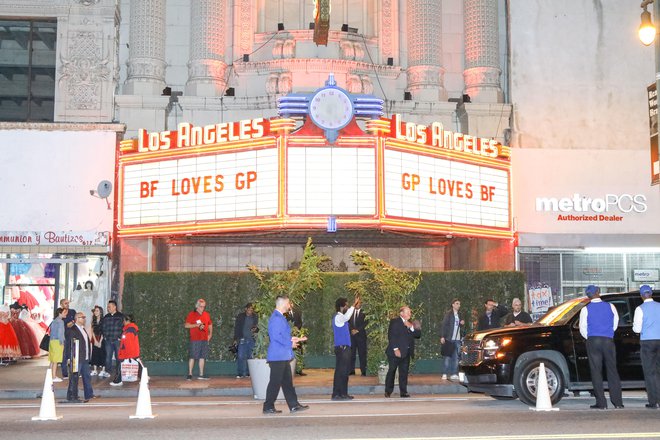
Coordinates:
(56,344)
(129,348)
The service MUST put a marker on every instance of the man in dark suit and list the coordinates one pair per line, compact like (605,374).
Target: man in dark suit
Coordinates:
(401,348)
(79,349)
(358,325)
(492,316)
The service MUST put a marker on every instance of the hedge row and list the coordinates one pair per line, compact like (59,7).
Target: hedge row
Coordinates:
(160,302)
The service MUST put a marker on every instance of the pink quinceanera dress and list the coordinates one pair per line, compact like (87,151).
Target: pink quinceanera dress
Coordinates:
(9,347)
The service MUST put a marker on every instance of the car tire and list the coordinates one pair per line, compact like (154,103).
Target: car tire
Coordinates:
(526,376)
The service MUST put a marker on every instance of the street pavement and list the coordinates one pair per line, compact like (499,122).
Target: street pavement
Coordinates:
(25,380)
(424,417)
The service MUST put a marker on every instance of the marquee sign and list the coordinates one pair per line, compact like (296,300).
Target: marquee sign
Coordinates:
(261,174)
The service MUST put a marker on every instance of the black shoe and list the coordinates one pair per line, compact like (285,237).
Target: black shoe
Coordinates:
(364,374)
(299,408)
(405,395)
(348,397)
(336,398)
(597,407)
(352,373)
(300,373)
(651,405)
(272,411)
(619,406)
(74,401)
(189,377)
(387,394)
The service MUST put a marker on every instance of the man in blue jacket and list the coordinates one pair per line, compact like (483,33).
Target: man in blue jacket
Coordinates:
(280,353)
(647,323)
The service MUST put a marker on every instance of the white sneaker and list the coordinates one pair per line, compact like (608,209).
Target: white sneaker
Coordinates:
(444,377)
(93,373)
(116,384)
(454,377)
(104,374)
(57,379)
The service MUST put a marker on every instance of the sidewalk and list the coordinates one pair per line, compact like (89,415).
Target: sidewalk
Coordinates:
(25,380)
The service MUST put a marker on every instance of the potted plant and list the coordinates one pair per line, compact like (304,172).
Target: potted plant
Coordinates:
(296,284)
(383,289)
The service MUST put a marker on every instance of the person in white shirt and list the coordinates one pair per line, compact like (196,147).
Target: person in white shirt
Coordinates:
(646,322)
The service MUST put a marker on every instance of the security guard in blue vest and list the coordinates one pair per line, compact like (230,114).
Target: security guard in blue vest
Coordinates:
(598,321)
(647,323)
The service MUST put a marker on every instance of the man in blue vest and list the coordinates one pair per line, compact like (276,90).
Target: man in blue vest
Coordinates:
(598,321)
(279,356)
(647,323)
(342,347)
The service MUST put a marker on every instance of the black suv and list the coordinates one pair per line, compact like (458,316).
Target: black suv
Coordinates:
(504,363)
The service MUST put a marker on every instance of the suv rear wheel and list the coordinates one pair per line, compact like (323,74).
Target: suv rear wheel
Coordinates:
(526,377)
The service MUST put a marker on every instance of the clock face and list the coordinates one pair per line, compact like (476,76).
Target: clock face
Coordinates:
(331,109)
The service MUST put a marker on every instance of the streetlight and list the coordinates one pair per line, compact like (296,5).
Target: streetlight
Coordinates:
(646,29)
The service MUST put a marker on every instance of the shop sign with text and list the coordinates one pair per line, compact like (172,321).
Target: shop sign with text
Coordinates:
(54,238)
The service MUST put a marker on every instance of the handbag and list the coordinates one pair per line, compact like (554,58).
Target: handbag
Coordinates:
(447,349)
(129,370)
(45,342)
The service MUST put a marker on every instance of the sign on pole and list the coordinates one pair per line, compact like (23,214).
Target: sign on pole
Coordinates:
(652,95)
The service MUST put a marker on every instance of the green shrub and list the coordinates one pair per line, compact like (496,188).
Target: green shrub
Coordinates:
(160,302)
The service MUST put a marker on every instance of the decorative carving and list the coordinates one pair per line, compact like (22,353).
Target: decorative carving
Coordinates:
(367,85)
(284,48)
(207,44)
(425,76)
(88,2)
(285,84)
(245,33)
(346,50)
(424,22)
(353,84)
(279,83)
(271,83)
(387,28)
(84,70)
(482,64)
(147,41)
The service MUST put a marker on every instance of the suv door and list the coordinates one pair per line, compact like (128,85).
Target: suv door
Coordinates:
(629,363)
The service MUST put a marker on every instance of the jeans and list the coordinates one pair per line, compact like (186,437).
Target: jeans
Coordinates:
(451,362)
(245,348)
(110,348)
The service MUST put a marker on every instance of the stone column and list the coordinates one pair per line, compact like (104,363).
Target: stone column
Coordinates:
(482,58)
(424,32)
(146,62)
(207,67)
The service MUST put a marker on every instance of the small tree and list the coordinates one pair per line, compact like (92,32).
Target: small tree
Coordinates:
(294,283)
(383,289)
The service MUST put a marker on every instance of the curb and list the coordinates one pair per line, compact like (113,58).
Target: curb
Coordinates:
(363,390)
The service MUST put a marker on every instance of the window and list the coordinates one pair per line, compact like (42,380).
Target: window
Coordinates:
(27,70)
(622,309)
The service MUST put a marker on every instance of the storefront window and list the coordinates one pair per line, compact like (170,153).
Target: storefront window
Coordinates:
(568,273)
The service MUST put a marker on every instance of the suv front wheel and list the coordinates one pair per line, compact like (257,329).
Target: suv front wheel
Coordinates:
(525,381)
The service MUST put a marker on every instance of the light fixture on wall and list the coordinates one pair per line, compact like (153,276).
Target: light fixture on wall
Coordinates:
(647,30)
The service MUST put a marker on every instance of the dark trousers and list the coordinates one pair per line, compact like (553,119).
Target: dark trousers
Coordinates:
(402,363)
(601,349)
(650,351)
(359,347)
(111,347)
(280,377)
(65,358)
(83,371)
(342,368)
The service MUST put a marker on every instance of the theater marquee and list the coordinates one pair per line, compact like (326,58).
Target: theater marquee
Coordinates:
(269,174)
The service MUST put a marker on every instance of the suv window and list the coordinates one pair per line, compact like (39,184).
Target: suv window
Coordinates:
(623,310)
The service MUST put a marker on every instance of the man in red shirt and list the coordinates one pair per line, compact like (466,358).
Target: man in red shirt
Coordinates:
(201,329)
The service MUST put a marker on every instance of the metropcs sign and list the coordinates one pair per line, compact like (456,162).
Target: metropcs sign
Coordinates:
(604,208)
(260,174)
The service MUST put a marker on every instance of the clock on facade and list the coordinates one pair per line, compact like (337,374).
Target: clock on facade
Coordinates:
(331,108)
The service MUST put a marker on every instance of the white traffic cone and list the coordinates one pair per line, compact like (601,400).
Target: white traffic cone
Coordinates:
(143,410)
(543,402)
(47,409)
